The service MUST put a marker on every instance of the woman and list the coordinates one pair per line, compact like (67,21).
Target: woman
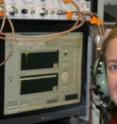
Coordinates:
(109,50)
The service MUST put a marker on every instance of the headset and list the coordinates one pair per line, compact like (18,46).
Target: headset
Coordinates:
(101,83)
(100,77)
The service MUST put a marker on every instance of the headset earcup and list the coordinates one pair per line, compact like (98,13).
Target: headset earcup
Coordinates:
(101,77)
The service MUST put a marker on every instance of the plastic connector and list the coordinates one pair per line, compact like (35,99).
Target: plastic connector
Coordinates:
(96,21)
(1,1)
(2,13)
(69,15)
(68,1)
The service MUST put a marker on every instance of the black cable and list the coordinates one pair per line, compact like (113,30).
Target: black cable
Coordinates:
(103,110)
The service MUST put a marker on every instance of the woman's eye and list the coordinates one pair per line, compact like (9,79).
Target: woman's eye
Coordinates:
(112,67)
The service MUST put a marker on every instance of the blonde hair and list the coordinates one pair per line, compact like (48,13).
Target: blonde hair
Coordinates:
(112,35)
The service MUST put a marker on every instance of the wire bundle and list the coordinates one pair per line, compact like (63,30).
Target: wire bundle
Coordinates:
(82,17)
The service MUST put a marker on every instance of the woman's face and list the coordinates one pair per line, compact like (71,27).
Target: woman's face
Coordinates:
(111,62)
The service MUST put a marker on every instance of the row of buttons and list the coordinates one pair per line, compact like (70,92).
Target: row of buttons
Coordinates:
(42,11)
(14,104)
